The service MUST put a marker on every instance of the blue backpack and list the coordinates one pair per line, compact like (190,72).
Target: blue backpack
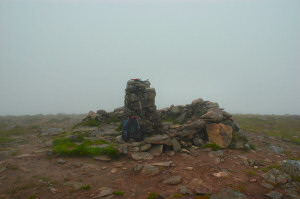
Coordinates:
(132,129)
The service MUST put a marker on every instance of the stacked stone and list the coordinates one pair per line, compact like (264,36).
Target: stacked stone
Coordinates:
(140,101)
(199,121)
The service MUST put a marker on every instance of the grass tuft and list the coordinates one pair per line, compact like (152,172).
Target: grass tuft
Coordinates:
(152,195)
(86,187)
(213,146)
(118,193)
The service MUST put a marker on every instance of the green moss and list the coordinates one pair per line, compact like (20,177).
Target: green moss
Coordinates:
(118,193)
(177,195)
(264,169)
(213,146)
(251,173)
(153,195)
(275,166)
(66,147)
(91,122)
(32,197)
(86,187)
(252,146)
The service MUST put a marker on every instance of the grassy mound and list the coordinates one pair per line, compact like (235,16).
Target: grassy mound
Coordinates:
(65,146)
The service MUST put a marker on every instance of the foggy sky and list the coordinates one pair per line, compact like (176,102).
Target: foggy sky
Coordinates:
(75,56)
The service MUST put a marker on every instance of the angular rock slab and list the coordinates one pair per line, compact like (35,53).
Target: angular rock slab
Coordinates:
(220,134)
(156,150)
(150,170)
(160,139)
(291,167)
(173,180)
(141,156)
(228,194)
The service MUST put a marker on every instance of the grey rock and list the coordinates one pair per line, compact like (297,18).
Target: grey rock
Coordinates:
(141,156)
(162,164)
(160,139)
(184,190)
(274,195)
(61,161)
(156,150)
(51,131)
(150,170)
(267,185)
(104,158)
(145,147)
(202,190)
(218,153)
(176,145)
(291,167)
(134,149)
(174,180)
(3,169)
(276,149)
(123,149)
(197,141)
(181,117)
(105,191)
(138,167)
(229,194)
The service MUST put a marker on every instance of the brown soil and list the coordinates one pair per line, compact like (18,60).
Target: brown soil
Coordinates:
(41,175)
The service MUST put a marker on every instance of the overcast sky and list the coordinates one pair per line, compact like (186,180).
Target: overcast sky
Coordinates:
(65,56)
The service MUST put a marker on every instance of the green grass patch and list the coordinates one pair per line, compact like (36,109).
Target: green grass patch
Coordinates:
(170,119)
(91,122)
(118,193)
(66,147)
(177,195)
(275,166)
(251,173)
(284,126)
(213,146)
(264,169)
(203,197)
(152,195)
(32,197)
(86,187)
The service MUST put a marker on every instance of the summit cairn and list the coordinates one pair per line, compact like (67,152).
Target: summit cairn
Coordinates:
(140,101)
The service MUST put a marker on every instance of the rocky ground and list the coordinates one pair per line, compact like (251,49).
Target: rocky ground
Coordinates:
(29,170)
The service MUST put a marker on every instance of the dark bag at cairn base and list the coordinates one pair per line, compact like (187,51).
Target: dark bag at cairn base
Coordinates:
(132,130)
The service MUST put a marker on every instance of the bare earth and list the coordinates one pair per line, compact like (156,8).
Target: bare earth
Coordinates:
(27,170)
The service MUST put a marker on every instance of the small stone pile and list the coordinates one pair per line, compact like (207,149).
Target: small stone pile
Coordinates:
(140,101)
(198,122)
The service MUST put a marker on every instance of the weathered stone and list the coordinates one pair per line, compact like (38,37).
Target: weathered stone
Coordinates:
(173,180)
(274,195)
(138,167)
(74,185)
(160,139)
(291,167)
(162,164)
(176,145)
(156,150)
(61,161)
(102,158)
(202,190)
(221,174)
(105,191)
(228,194)
(195,182)
(197,101)
(150,170)
(141,156)
(213,115)
(276,149)
(184,190)
(145,147)
(197,141)
(220,134)
(134,149)
(267,185)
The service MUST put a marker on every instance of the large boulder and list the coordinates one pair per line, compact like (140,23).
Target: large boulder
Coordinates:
(220,134)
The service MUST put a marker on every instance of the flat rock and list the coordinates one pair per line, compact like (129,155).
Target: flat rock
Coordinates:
(173,180)
(61,161)
(195,182)
(138,167)
(24,156)
(184,190)
(160,139)
(221,174)
(145,147)
(162,164)
(102,158)
(105,191)
(202,190)
(141,156)
(228,194)
(156,150)
(150,170)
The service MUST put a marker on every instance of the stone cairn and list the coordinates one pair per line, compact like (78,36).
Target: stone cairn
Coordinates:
(140,101)
(177,128)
